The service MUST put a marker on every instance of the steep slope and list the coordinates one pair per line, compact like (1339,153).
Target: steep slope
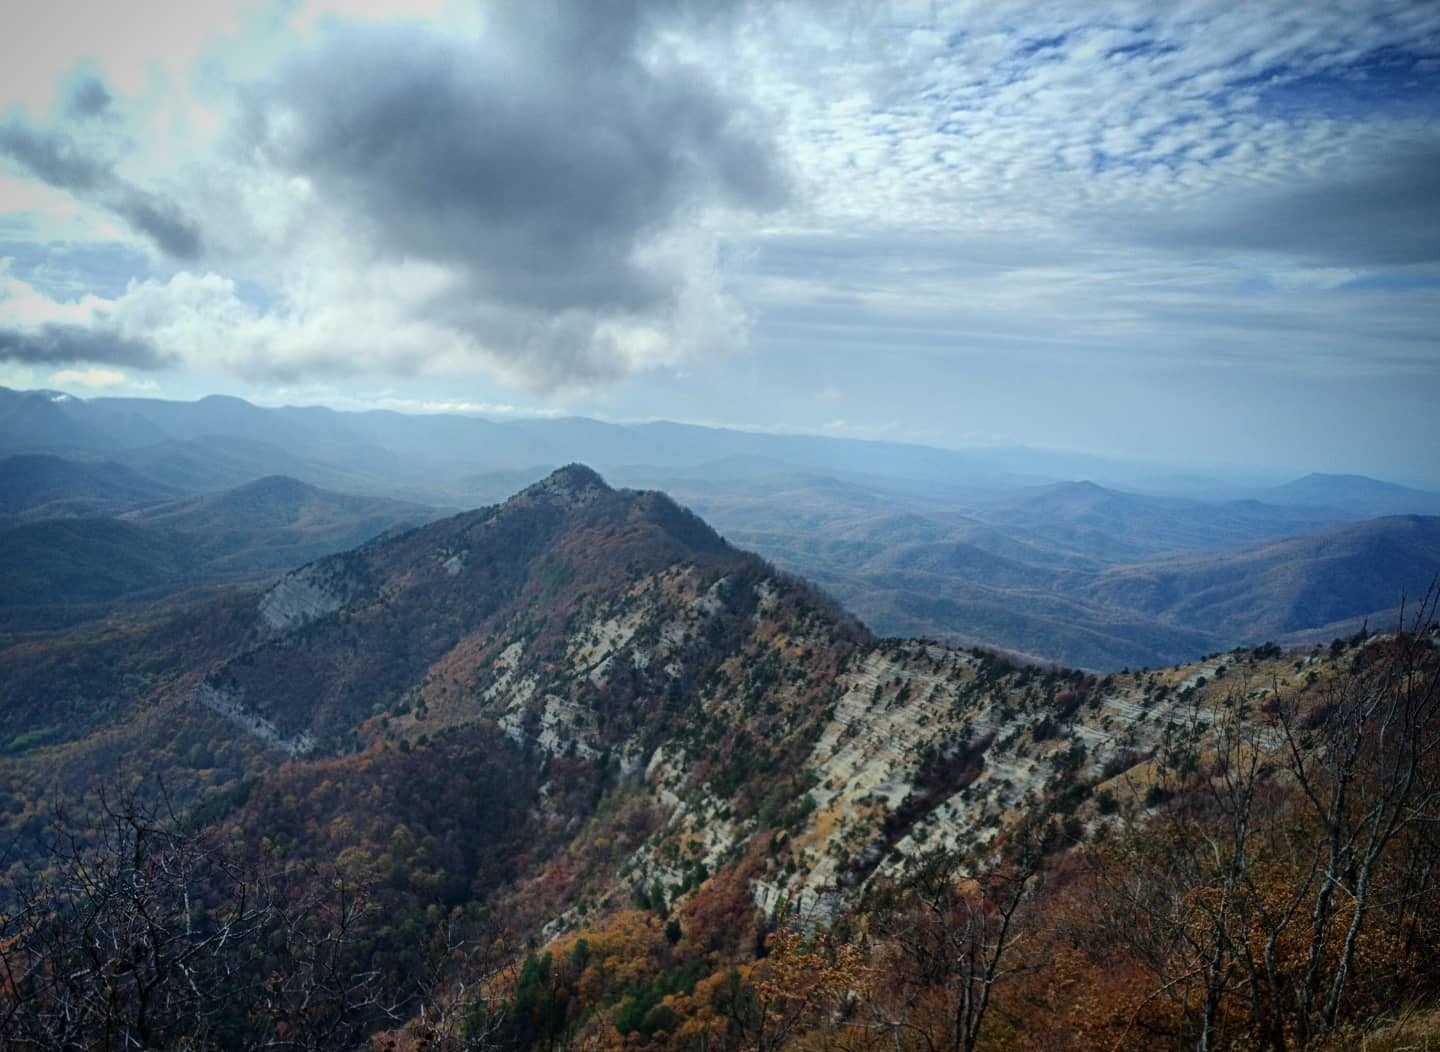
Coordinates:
(583,713)
(612,631)
(572,630)
(616,635)
(614,642)
(556,582)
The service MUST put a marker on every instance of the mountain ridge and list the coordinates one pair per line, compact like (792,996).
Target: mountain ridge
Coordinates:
(584,712)
(42,486)
(321,433)
(79,568)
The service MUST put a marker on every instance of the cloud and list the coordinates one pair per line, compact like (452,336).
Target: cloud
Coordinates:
(54,158)
(57,160)
(95,376)
(463,405)
(68,270)
(60,342)
(556,166)
(88,98)
(1072,122)
(160,220)
(1385,213)
(562,195)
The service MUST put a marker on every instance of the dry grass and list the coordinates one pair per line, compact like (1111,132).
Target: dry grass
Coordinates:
(1415,1030)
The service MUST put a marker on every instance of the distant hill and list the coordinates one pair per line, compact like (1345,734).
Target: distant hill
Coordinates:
(983,546)
(260,528)
(1357,495)
(53,420)
(1099,579)
(1036,624)
(1121,526)
(277,523)
(64,561)
(38,486)
(492,487)
(1285,587)
(272,503)
(403,449)
(216,462)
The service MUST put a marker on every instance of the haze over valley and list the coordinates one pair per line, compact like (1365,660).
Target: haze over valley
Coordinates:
(977,547)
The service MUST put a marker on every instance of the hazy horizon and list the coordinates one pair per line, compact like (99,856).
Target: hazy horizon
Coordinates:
(1206,238)
(1130,471)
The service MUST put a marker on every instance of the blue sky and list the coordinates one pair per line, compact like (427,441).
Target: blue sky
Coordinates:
(1202,232)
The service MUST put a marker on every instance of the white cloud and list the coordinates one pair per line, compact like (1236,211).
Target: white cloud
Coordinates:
(971,126)
(441,405)
(978,186)
(95,376)
(573,243)
(855,429)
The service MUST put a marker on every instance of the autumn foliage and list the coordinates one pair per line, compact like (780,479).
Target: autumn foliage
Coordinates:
(1266,880)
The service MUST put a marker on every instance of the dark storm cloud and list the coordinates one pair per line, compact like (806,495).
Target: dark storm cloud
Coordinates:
(58,343)
(56,159)
(89,98)
(1388,214)
(158,219)
(536,160)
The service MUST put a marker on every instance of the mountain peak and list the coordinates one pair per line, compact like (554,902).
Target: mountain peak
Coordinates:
(279,486)
(1357,495)
(573,484)
(213,400)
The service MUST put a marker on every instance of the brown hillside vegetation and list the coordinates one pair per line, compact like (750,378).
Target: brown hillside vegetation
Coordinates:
(572,773)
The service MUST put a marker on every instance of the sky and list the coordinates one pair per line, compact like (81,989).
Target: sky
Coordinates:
(1199,232)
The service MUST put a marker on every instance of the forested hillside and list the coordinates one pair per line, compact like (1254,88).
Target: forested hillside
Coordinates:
(573,772)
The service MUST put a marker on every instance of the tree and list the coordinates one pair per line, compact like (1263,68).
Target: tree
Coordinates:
(1293,840)
(951,933)
(143,934)
(127,940)
(1365,762)
(803,981)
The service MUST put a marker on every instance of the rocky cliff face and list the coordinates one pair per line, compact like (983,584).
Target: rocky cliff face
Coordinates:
(303,596)
(582,715)
(742,710)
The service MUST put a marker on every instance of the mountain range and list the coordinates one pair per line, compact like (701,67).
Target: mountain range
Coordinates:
(1082,574)
(583,717)
(65,563)
(988,547)
(434,453)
